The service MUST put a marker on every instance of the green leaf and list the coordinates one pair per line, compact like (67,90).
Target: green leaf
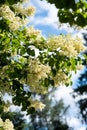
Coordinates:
(31,110)
(31,52)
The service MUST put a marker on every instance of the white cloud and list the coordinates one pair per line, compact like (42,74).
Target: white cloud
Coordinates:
(51,17)
(64,93)
(74,122)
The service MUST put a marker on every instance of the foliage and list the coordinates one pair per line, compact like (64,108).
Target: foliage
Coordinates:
(80,94)
(71,11)
(81,90)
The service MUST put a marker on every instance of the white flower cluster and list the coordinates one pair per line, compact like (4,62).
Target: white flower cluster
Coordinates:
(7,125)
(67,45)
(15,22)
(4,84)
(7,14)
(36,72)
(28,11)
(36,104)
(31,32)
(60,78)
(1,123)
(36,37)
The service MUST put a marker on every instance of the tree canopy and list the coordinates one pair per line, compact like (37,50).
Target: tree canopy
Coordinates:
(22,72)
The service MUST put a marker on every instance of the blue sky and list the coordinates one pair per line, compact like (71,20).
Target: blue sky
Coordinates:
(46,19)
